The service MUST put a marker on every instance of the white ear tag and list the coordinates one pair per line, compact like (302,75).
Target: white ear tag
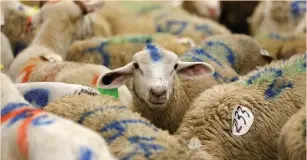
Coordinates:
(264,52)
(194,143)
(242,120)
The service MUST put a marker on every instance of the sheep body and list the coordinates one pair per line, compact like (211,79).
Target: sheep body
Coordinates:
(128,135)
(68,72)
(241,52)
(281,83)
(281,46)
(29,133)
(292,139)
(117,51)
(277,16)
(170,20)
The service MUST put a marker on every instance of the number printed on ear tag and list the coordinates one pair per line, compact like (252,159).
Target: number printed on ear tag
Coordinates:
(242,120)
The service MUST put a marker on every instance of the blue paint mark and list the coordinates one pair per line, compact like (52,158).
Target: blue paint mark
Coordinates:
(273,90)
(230,57)
(266,70)
(38,96)
(216,76)
(104,54)
(170,24)
(23,115)
(18,47)
(119,126)
(38,121)
(154,52)
(204,28)
(298,8)
(201,51)
(86,153)
(277,36)
(233,79)
(12,106)
(89,113)
(144,146)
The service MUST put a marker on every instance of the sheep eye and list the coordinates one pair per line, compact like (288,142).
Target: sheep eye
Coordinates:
(176,65)
(136,66)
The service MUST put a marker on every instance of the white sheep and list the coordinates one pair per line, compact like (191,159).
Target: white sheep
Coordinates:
(117,51)
(281,17)
(55,33)
(39,94)
(29,133)
(292,139)
(168,20)
(128,135)
(6,53)
(163,86)
(242,52)
(72,73)
(243,119)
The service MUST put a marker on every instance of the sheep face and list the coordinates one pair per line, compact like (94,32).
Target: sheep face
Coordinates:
(153,72)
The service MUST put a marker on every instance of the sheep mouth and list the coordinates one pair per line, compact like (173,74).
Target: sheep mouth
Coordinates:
(157,104)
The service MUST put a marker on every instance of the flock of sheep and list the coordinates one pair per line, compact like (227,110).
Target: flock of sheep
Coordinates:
(109,80)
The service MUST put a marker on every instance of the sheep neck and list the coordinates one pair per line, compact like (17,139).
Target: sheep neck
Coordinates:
(169,118)
(55,34)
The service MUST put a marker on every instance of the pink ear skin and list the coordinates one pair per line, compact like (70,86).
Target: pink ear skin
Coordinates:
(115,78)
(192,70)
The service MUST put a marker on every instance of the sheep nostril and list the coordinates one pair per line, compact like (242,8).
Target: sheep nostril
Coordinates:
(158,93)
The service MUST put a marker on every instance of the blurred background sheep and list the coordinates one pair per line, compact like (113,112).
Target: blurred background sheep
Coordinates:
(177,65)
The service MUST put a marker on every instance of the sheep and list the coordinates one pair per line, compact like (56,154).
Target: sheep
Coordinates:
(292,139)
(163,86)
(18,29)
(277,16)
(243,53)
(128,135)
(39,94)
(55,34)
(169,20)
(117,51)
(243,119)
(206,9)
(71,73)
(6,53)
(281,46)
(30,133)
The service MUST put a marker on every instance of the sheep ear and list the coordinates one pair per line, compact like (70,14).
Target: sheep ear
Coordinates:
(266,55)
(115,78)
(192,70)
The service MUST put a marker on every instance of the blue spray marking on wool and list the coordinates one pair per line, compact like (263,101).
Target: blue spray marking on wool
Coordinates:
(154,52)
(216,76)
(104,54)
(38,96)
(23,115)
(298,8)
(230,57)
(201,51)
(170,24)
(144,146)
(233,79)
(12,106)
(274,88)
(277,36)
(86,154)
(42,120)
(119,126)
(204,28)
(89,113)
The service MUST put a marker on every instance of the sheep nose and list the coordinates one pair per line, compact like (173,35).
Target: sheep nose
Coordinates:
(158,93)
(212,12)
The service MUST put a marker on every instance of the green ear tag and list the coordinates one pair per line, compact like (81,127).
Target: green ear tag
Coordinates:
(110,92)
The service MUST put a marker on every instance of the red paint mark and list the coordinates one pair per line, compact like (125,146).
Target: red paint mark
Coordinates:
(94,81)
(22,137)
(28,71)
(12,114)
(29,24)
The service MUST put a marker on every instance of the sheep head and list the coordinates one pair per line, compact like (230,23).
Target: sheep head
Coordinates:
(153,72)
